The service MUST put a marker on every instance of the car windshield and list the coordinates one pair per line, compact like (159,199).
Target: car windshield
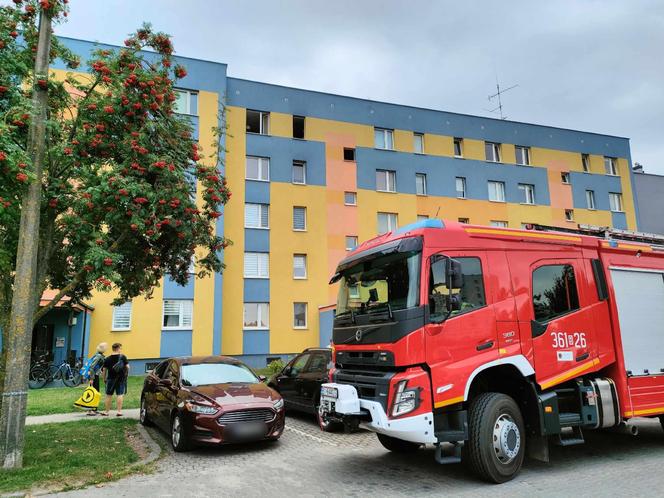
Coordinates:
(389,282)
(216,373)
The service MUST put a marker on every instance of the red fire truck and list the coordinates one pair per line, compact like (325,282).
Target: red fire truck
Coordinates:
(497,341)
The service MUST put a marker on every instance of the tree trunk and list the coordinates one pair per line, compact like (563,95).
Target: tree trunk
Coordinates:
(15,395)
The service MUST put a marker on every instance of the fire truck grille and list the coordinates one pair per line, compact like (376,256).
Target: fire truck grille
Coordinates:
(257,415)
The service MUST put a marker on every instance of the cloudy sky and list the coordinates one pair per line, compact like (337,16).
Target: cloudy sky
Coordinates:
(588,65)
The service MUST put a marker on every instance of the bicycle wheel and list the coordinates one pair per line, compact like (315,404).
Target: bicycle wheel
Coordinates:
(38,377)
(71,378)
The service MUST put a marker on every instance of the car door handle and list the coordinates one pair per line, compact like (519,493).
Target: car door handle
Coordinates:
(485,345)
(583,356)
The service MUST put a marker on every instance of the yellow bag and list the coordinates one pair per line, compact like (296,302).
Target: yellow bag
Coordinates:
(89,399)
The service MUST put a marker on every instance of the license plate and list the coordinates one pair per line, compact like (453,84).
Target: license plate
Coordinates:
(329,392)
(249,430)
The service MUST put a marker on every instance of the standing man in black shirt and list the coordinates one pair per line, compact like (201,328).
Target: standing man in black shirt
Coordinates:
(116,370)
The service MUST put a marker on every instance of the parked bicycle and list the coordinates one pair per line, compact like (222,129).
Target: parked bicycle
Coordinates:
(41,374)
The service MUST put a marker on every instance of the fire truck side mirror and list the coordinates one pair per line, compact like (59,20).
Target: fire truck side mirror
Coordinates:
(454,274)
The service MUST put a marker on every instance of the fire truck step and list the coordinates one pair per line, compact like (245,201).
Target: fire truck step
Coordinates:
(569,419)
(570,439)
(455,457)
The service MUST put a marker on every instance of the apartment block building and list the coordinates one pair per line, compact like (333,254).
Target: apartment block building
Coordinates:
(314,174)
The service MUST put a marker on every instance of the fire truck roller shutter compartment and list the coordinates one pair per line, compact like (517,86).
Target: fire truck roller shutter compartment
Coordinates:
(640,302)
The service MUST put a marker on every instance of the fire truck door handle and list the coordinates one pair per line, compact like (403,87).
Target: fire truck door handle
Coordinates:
(485,345)
(583,356)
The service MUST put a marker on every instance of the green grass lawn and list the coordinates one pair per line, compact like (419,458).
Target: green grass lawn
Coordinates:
(61,399)
(72,454)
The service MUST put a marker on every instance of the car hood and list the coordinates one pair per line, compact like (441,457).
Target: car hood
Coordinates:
(236,394)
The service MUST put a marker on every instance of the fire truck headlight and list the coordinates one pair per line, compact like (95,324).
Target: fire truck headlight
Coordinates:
(405,400)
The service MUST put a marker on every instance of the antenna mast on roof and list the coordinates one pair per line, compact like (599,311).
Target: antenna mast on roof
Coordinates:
(497,95)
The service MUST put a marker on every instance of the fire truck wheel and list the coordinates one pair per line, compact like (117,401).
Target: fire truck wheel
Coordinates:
(397,445)
(496,445)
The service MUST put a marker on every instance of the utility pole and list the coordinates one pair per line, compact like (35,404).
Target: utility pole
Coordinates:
(15,395)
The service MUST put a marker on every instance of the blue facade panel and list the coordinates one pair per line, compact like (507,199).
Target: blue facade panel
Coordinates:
(172,290)
(619,220)
(442,171)
(257,192)
(325,323)
(256,290)
(256,240)
(600,184)
(283,151)
(255,341)
(175,343)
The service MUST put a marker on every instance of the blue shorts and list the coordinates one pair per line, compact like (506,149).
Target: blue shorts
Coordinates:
(116,386)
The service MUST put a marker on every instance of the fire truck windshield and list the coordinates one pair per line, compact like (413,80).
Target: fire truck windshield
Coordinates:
(386,283)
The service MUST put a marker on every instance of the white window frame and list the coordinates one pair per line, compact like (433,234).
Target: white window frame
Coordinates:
(263,169)
(263,122)
(306,316)
(121,309)
(616,201)
(418,138)
(571,215)
(262,264)
(590,200)
(388,138)
(525,153)
(422,217)
(302,164)
(564,177)
(611,168)
(423,177)
(463,184)
(355,240)
(354,194)
(461,220)
(459,141)
(304,209)
(585,162)
(501,197)
(528,193)
(260,215)
(495,151)
(303,257)
(259,315)
(391,186)
(392,219)
(499,223)
(184,305)
(188,94)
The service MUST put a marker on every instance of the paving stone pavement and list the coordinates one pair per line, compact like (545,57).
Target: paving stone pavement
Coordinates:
(308,462)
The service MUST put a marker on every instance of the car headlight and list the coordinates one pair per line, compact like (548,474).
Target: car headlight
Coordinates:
(279,404)
(203,409)
(405,400)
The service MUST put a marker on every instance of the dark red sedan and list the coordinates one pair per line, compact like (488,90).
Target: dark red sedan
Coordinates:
(210,400)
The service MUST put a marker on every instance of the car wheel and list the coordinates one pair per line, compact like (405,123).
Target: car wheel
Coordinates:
(143,413)
(397,445)
(179,439)
(325,424)
(496,445)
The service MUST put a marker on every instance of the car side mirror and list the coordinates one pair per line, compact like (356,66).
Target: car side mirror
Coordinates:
(454,273)
(262,378)
(287,371)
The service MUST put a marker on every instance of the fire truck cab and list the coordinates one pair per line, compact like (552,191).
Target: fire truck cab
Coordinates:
(497,340)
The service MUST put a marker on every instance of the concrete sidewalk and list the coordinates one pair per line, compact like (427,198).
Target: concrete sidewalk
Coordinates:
(70,417)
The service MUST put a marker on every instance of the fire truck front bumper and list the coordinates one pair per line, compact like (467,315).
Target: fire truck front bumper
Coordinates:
(341,402)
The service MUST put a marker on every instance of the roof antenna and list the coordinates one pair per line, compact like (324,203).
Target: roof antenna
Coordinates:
(497,95)
(437,211)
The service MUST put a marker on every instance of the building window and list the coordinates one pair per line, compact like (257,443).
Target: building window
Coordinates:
(611,166)
(350,198)
(465,221)
(522,155)
(528,193)
(258,122)
(351,242)
(386,180)
(497,191)
(590,199)
(256,315)
(585,162)
(554,292)
(349,154)
(185,102)
(298,127)
(498,223)
(383,139)
(460,187)
(256,215)
(122,317)
(564,176)
(615,202)
(299,218)
(299,172)
(458,147)
(492,151)
(300,315)
(256,265)
(420,184)
(299,266)
(569,215)
(178,313)
(257,168)
(387,222)
(422,217)
(354,291)
(418,143)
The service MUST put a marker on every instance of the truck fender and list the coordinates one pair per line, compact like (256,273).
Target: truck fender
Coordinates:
(519,361)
